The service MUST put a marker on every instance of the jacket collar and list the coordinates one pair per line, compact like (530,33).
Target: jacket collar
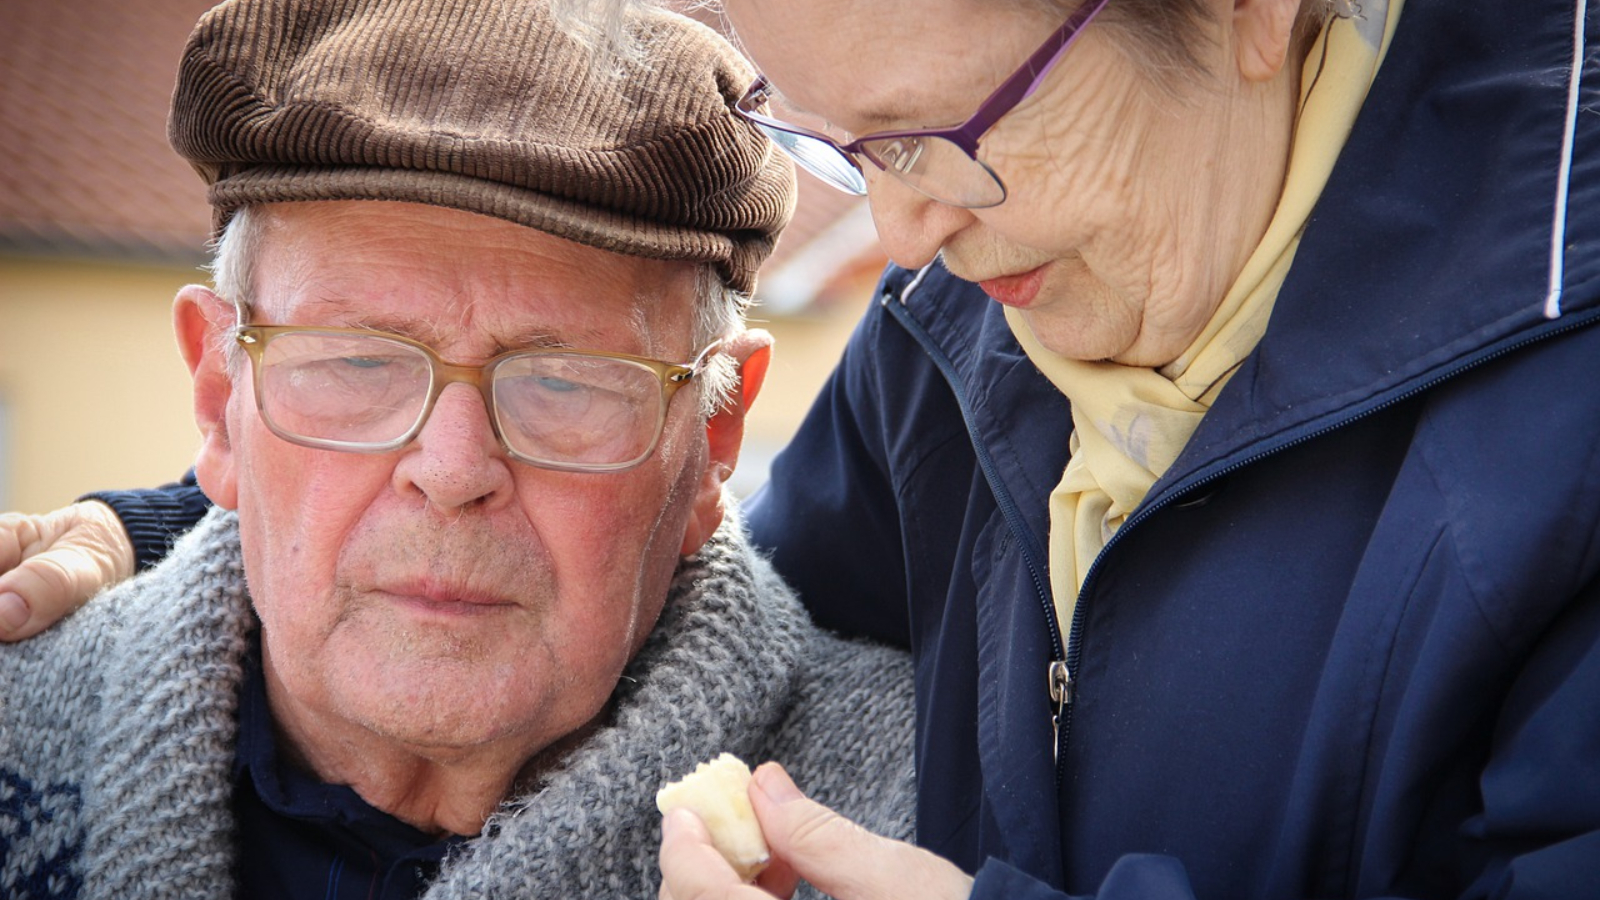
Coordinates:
(1446,236)
(1454,214)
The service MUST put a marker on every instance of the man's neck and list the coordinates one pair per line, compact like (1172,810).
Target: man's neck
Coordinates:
(437,790)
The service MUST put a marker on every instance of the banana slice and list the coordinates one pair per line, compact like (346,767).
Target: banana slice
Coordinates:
(716,792)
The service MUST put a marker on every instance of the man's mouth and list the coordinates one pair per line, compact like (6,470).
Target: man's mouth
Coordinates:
(430,593)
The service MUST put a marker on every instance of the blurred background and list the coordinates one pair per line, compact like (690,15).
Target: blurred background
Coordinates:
(101,223)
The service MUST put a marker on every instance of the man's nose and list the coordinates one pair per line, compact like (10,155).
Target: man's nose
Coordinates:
(911,226)
(456,461)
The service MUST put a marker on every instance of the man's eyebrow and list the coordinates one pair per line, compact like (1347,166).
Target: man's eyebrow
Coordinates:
(350,314)
(430,333)
(433,332)
(534,339)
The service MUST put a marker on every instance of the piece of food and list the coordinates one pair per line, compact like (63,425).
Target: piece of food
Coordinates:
(716,792)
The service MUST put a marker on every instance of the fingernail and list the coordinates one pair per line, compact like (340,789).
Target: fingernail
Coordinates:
(13,611)
(776,784)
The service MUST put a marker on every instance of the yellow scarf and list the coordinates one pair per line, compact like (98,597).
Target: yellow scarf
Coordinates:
(1130,423)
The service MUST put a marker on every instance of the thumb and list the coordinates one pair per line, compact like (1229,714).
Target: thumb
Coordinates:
(41,590)
(839,857)
(60,560)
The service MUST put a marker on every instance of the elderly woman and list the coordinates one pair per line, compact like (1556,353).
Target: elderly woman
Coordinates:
(1247,535)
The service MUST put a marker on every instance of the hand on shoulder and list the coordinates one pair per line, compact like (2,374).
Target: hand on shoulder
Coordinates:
(51,563)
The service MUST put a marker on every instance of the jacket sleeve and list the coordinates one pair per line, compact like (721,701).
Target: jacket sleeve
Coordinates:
(155,518)
(828,516)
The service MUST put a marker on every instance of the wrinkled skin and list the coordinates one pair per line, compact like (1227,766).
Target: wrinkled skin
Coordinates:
(435,618)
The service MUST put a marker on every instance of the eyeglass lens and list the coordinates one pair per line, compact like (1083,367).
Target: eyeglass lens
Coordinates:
(361,392)
(344,389)
(820,158)
(932,165)
(576,409)
(937,168)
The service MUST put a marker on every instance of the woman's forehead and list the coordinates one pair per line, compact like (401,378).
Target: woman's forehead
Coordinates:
(889,63)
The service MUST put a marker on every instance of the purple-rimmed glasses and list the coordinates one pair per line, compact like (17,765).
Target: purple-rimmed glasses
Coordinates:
(942,163)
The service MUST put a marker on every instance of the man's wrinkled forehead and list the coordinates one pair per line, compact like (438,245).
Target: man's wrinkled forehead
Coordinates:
(382,265)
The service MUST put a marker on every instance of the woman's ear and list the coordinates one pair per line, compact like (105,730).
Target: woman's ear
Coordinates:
(201,318)
(1263,30)
(752,350)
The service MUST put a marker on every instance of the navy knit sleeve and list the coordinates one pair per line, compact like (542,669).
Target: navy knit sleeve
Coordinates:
(154,518)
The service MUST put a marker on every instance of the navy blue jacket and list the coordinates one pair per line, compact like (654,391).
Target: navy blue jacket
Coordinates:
(1348,645)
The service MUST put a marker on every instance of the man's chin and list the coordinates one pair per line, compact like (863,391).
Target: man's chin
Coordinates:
(439,714)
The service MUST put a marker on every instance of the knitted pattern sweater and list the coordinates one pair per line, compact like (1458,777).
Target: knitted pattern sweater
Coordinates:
(117,733)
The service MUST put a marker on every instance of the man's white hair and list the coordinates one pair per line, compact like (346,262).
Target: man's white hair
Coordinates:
(719,310)
(601,25)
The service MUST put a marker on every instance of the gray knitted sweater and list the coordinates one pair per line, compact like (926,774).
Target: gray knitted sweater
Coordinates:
(117,733)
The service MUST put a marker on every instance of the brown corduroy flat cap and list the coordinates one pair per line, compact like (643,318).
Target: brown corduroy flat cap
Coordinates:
(485,106)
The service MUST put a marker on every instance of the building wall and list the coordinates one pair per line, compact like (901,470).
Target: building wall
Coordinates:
(94,395)
(805,348)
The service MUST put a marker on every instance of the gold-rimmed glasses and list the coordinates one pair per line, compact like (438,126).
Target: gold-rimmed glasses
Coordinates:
(362,391)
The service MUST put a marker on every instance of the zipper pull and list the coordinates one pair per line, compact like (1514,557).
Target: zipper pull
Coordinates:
(1061,696)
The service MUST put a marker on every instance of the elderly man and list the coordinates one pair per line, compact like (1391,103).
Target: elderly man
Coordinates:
(469,385)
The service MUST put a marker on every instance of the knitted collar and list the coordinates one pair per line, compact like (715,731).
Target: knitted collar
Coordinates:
(715,675)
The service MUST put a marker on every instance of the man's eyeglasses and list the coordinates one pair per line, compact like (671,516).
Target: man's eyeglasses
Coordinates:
(362,391)
(940,162)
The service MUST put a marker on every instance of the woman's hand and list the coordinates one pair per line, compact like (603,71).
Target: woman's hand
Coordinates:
(51,564)
(809,841)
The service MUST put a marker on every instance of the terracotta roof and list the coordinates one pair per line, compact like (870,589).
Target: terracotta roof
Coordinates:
(84,164)
(84,161)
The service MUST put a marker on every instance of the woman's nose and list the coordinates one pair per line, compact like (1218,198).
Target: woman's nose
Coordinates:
(911,226)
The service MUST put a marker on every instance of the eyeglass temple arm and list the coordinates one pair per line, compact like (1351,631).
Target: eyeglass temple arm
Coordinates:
(693,368)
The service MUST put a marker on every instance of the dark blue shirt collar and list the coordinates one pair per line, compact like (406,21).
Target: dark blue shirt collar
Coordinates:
(301,837)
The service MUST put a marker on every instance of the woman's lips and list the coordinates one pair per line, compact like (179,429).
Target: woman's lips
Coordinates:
(1016,291)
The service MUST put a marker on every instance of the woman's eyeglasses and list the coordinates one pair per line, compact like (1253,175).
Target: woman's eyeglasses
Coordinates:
(942,163)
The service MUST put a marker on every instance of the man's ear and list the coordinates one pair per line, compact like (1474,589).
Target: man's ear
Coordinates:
(200,319)
(752,350)
(1263,30)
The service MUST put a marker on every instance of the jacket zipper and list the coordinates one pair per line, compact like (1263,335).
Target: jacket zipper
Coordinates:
(1061,671)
